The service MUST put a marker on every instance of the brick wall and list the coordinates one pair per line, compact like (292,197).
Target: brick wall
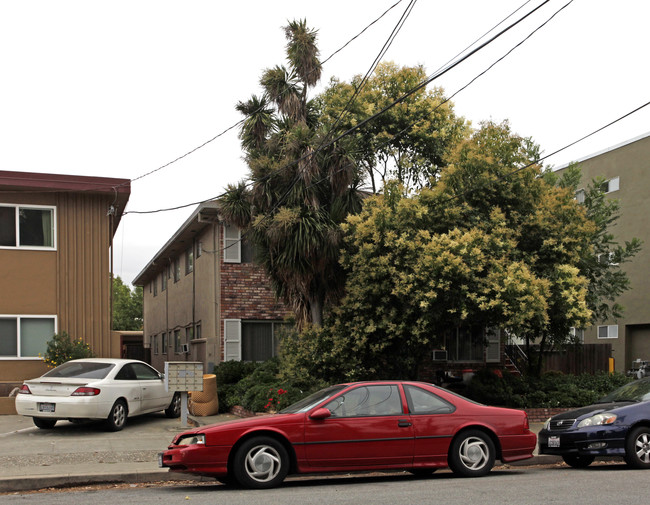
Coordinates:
(541,415)
(246,294)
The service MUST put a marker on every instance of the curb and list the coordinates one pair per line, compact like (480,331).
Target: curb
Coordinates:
(34,483)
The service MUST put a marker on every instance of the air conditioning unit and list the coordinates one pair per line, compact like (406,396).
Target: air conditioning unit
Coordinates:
(185,348)
(439,355)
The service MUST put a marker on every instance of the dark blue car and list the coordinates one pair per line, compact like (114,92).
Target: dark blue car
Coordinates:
(616,425)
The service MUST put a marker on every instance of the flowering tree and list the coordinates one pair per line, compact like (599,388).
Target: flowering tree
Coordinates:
(62,348)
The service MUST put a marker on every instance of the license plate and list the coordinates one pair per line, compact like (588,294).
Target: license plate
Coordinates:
(160,459)
(46,407)
(554,441)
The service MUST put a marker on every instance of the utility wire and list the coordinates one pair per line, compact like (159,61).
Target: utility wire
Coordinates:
(244,119)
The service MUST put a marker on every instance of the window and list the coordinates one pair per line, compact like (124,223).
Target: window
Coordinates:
(608,258)
(366,401)
(580,196)
(425,402)
(177,341)
(25,336)
(466,344)
(577,335)
(155,286)
(237,249)
(144,372)
(251,340)
(163,280)
(231,244)
(163,343)
(189,333)
(27,226)
(610,331)
(197,333)
(611,185)
(177,270)
(199,249)
(189,261)
(156,349)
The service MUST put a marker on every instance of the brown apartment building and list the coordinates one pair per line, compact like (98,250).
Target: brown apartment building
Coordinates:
(204,298)
(626,168)
(55,258)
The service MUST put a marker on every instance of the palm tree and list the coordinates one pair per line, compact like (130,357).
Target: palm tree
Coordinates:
(302,186)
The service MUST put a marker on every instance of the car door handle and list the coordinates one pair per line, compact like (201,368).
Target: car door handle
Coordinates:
(403,423)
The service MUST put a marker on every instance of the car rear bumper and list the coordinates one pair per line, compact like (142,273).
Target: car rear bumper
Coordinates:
(517,447)
(64,407)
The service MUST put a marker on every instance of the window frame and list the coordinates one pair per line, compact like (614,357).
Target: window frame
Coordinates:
(189,260)
(231,245)
(18,317)
(610,328)
(178,345)
(17,208)
(614,181)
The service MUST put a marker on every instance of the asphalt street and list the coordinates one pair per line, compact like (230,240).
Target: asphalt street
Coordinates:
(80,454)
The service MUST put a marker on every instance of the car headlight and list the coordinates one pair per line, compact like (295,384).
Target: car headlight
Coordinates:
(196,439)
(597,420)
(547,424)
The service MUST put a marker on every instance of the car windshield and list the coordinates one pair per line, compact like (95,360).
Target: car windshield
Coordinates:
(81,369)
(312,400)
(637,391)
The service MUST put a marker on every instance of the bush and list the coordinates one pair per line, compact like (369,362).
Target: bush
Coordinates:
(258,386)
(553,389)
(62,348)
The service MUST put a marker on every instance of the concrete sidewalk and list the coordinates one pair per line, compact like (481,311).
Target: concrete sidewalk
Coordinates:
(73,454)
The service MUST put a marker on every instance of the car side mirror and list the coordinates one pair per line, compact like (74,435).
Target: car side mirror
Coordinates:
(321,413)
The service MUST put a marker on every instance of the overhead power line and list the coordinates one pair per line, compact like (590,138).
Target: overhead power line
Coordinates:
(238,123)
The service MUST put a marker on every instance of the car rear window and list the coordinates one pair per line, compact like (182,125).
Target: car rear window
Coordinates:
(83,369)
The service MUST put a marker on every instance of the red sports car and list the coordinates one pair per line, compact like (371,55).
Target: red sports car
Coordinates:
(361,426)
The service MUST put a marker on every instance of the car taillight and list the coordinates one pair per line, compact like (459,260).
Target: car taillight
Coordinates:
(526,424)
(86,392)
(24,390)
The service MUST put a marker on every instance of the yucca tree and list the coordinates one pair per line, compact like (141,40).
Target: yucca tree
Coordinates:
(301,186)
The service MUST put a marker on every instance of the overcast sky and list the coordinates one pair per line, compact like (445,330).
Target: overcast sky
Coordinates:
(120,88)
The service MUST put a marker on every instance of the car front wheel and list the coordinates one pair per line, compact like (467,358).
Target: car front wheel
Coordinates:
(44,424)
(637,448)
(117,418)
(472,454)
(174,409)
(577,461)
(261,463)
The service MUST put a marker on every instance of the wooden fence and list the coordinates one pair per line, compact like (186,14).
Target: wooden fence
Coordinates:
(586,358)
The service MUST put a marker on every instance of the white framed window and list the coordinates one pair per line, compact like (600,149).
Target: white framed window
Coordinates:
(577,334)
(251,340)
(608,331)
(27,227)
(580,196)
(607,259)
(232,339)
(231,244)
(25,336)
(611,185)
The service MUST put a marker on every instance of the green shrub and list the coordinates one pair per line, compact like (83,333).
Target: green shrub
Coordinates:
(62,348)
(553,389)
(259,387)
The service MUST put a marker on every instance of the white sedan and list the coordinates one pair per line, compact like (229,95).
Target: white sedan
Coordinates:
(96,388)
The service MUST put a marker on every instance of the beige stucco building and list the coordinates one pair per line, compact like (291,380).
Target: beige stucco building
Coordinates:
(56,233)
(626,168)
(204,298)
